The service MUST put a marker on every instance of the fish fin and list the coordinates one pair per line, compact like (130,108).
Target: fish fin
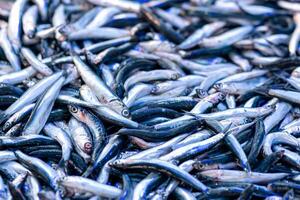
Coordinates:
(72,52)
(215,125)
(281,76)
(262,90)
(91,58)
(226,129)
(191,114)
(3,117)
(97,149)
(141,126)
(241,7)
(88,171)
(62,164)
(257,121)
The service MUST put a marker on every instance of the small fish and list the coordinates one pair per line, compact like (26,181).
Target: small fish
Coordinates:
(120,99)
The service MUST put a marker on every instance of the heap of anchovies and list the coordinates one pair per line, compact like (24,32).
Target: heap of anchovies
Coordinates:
(164,99)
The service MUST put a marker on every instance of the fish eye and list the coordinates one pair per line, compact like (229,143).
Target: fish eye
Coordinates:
(125,113)
(73,109)
(222,95)
(175,76)
(201,166)
(155,89)
(7,124)
(201,93)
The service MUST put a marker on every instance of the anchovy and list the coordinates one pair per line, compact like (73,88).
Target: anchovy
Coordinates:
(194,148)
(187,166)
(204,32)
(81,184)
(105,96)
(129,99)
(103,17)
(43,8)
(66,99)
(281,109)
(98,33)
(147,76)
(7,142)
(240,176)
(17,77)
(108,152)
(39,167)
(290,96)
(136,92)
(237,112)
(203,105)
(159,150)
(164,167)
(9,52)
(35,62)
(122,4)
(29,21)
(105,112)
(295,37)
(42,109)
(172,18)
(81,138)
(227,38)
(258,141)
(62,138)
(167,31)
(30,95)
(95,126)
(15,24)
(278,138)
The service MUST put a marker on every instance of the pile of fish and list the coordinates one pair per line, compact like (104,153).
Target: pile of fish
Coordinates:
(164,99)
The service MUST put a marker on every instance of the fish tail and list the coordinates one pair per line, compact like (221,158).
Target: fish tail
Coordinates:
(281,76)
(262,90)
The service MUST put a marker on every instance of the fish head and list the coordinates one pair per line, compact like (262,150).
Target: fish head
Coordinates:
(77,112)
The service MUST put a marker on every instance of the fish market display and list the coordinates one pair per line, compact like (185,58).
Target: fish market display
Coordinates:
(162,99)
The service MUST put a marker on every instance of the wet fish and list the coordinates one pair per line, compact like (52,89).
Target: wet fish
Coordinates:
(149,99)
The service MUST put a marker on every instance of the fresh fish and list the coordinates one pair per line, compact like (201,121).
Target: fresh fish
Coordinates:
(62,138)
(42,109)
(119,99)
(9,52)
(80,184)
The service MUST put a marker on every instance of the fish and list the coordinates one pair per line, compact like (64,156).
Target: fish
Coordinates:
(149,99)
(164,167)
